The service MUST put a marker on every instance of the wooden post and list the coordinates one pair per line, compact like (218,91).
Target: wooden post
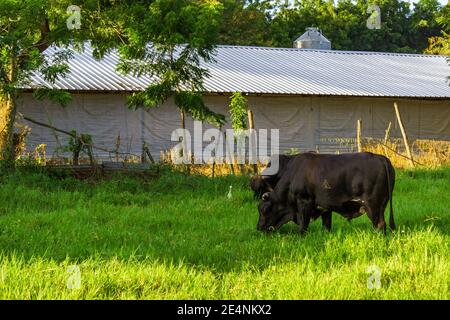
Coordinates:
(358,135)
(231,158)
(116,150)
(386,138)
(229,155)
(405,138)
(251,125)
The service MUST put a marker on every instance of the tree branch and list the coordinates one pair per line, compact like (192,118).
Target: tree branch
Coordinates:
(49,126)
(43,42)
(41,45)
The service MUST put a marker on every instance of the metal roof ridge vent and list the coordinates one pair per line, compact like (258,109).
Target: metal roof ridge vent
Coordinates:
(312,39)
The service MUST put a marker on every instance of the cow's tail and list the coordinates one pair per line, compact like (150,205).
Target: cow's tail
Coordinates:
(390,187)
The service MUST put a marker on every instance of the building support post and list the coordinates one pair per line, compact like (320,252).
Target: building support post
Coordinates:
(358,135)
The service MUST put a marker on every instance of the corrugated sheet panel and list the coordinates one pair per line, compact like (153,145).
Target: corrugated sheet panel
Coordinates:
(283,71)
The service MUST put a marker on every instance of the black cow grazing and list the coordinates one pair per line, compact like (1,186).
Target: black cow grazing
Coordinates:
(263,183)
(314,185)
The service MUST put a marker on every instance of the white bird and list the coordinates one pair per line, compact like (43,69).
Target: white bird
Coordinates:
(229,195)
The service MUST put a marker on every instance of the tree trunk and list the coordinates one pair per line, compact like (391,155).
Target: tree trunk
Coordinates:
(76,157)
(8,112)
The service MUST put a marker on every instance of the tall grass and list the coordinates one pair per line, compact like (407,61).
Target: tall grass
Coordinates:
(426,153)
(180,236)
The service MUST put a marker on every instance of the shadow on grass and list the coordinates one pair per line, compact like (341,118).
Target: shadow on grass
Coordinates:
(179,218)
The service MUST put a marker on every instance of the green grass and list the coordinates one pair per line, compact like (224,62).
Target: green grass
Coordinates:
(180,237)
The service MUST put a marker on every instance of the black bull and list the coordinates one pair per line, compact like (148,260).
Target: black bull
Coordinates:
(310,185)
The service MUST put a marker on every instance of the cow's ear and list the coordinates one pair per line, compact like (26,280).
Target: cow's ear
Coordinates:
(266,196)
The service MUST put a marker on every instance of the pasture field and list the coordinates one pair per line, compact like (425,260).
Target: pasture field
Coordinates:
(181,237)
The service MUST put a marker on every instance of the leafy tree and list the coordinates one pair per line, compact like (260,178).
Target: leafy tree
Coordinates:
(245,22)
(24,35)
(425,23)
(27,29)
(439,45)
(343,22)
(167,40)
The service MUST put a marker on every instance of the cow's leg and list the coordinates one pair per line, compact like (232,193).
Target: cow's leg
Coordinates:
(304,211)
(326,220)
(381,225)
(376,214)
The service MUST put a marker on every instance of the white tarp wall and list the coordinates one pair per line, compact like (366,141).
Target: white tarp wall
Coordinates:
(305,123)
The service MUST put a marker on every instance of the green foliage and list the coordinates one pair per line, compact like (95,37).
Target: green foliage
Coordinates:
(292,152)
(79,143)
(167,40)
(426,22)
(238,111)
(246,22)
(193,104)
(439,45)
(180,237)
(343,22)
(58,96)
(27,28)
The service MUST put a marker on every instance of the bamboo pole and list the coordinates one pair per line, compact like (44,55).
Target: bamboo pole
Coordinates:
(386,138)
(251,125)
(358,135)
(405,138)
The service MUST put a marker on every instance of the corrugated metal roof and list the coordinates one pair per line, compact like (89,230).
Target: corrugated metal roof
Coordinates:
(283,71)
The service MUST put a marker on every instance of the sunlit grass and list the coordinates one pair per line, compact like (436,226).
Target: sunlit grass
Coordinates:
(180,237)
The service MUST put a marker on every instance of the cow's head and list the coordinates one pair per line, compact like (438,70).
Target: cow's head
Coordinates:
(273,213)
(259,185)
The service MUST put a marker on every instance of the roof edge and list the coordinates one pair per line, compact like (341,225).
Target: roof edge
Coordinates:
(421,55)
(211,93)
